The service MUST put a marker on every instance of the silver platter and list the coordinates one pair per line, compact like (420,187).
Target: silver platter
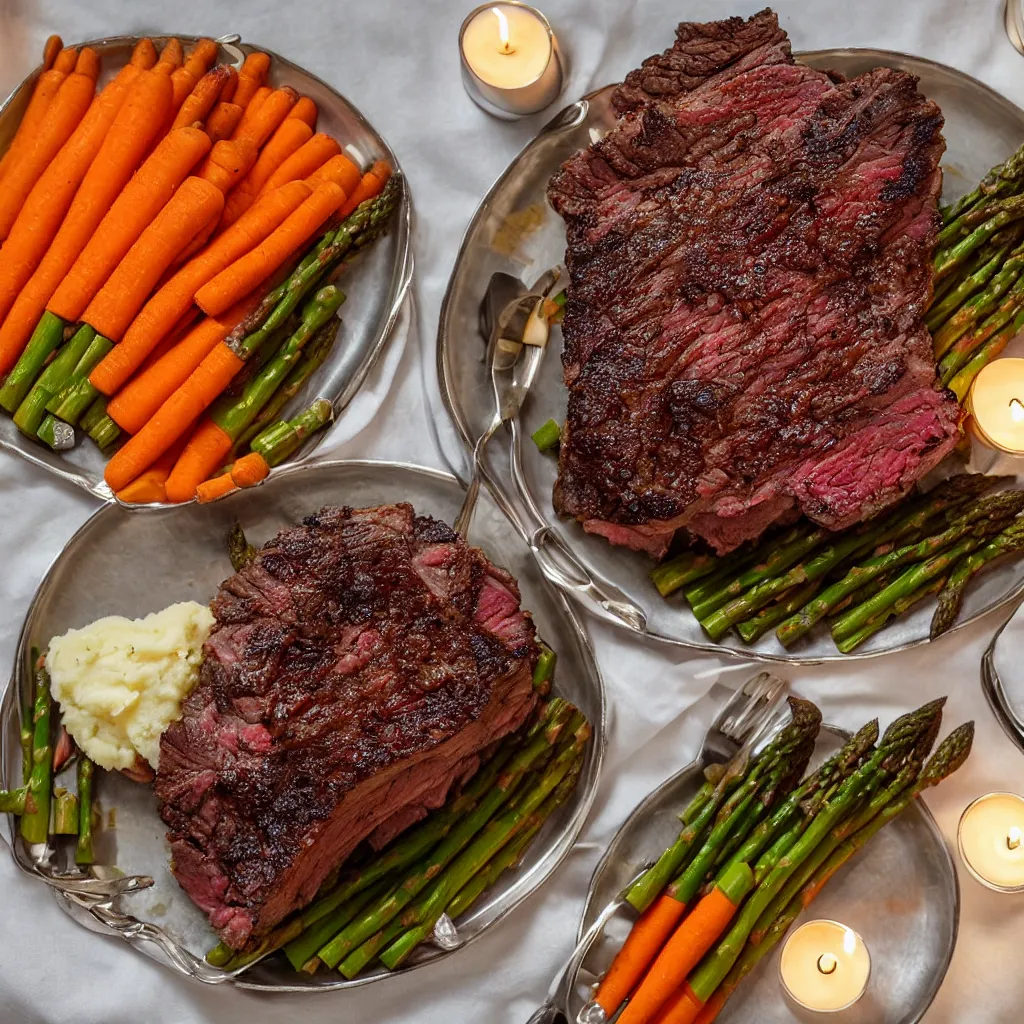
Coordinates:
(1002,680)
(376,285)
(515,231)
(119,563)
(900,893)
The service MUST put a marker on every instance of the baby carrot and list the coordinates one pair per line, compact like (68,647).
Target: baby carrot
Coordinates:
(200,57)
(289,137)
(246,273)
(32,120)
(305,160)
(211,490)
(261,123)
(188,211)
(251,77)
(171,57)
(369,185)
(207,449)
(223,120)
(140,201)
(229,162)
(88,63)
(132,132)
(174,298)
(199,102)
(641,947)
(144,55)
(683,1007)
(304,110)
(53,45)
(227,93)
(62,117)
(173,418)
(338,169)
(249,470)
(66,60)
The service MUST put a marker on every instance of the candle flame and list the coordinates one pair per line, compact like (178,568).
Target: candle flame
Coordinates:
(503,32)
(1016,410)
(1013,838)
(849,942)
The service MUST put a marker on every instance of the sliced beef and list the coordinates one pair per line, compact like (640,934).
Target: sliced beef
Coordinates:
(359,669)
(750,259)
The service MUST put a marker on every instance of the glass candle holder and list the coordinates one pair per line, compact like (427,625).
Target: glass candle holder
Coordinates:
(996,405)
(990,839)
(824,967)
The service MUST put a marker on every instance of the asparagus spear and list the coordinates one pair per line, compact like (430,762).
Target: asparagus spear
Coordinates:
(26,731)
(45,338)
(544,670)
(285,437)
(898,608)
(951,597)
(31,411)
(685,568)
(60,436)
(961,351)
(752,629)
(547,435)
(1001,179)
(77,394)
(94,414)
(83,848)
(65,812)
(948,260)
(12,801)
(977,518)
(461,835)
(961,382)
(240,551)
(35,822)
(104,431)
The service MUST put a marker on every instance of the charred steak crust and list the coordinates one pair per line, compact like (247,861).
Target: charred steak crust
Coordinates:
(358,668)
(750,259)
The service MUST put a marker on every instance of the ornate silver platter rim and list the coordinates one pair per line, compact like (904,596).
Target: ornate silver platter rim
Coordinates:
(522,505)
(399,272)
(577,678)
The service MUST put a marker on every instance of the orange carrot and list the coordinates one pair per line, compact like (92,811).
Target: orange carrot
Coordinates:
(144,54)
(338,169)
(35,115)
(260,124)
(223,120)
(171,57)
(683,951)
(173,418)
(187,212)
(229,162)
(304,110)
(142,396)
(207,449)
(257,265)
(88,63)
(133,129)
(199,102)
(289,137)
(48,202)
(200,57)
(65,60)
(249,470)
(62,117)
(51,48)
(251,77)
(182,84)
(227,93)
(711,1009)
(369,185)
(643,944)
(139,203)
(305,160)
(259,97)
(217,487)
(149,486)
(682,1007)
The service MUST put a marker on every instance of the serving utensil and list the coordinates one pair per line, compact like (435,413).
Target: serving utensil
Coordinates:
(746,715)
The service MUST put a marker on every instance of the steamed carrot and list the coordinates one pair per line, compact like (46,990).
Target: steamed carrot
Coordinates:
(304,110)
(257,265)
(42,96)
(171,57)
(48,202)
(683,951)
(369,185)
(201,56)
(305,160)
(251,76)
(141,200)
(338,169)
(641,947)
(182,84)
(227,93)
(682,1007)
(229,162)
(710,1010)
(129,138)
(149,486)
(65,60)
(88,63)
(62,117)
(249,470)
(207,449)
(288,138)
(223,120)
(217,487)
(188,211)
(53,45)
(173,418)
(142,396)
(200,101)
(264,121)
(144,55)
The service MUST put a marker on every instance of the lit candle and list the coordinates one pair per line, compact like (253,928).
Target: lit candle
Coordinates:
(991,841)
(824,966)
(997,405)
(510,60)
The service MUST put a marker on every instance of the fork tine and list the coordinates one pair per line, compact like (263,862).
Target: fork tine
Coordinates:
(759,693)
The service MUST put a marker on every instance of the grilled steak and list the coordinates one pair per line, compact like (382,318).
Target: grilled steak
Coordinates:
(750,257)
(358,669)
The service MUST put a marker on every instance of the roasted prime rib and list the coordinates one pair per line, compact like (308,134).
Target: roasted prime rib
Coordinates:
(750,257)
(357,670)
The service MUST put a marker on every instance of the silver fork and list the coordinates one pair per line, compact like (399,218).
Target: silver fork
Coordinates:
(748,715)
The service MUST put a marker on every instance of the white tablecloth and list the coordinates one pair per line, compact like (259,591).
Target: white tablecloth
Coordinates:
(398,62)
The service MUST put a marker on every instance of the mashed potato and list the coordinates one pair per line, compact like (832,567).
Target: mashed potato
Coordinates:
(120,682)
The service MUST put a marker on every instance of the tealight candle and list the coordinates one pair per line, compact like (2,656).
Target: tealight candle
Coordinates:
(510,60)
(991,841)
(997,405)
(824,966)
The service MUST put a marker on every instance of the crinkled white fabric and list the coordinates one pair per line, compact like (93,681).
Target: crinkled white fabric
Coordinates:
(398,61)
